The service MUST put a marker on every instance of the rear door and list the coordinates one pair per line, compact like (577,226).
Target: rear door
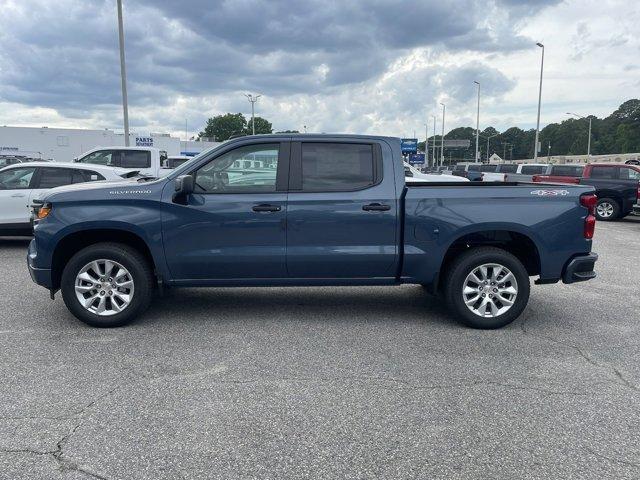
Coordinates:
(342,211)
(50,177)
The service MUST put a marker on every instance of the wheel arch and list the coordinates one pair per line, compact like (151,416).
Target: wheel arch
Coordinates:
(75,241)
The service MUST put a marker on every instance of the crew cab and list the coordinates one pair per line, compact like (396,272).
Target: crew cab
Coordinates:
(301,210)
(617,186)
(560,174)
(21,183)
(148,161)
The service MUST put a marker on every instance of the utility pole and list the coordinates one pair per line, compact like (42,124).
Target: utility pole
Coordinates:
(123,76)
(489,138)
(478,123)
(535,148)
(426,144)
(589,139)
(444,109)
(435,162)
(253,101)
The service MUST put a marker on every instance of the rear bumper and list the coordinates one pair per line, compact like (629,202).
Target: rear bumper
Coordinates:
(636,209)
(580,268)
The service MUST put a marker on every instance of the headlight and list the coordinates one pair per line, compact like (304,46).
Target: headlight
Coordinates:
(41,211)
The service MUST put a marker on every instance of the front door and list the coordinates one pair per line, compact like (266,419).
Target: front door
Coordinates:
(15,187)
(234,224)
(341,214)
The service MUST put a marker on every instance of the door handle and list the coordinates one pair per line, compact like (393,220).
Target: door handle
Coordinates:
(376,207)
(18,195)
(264,207)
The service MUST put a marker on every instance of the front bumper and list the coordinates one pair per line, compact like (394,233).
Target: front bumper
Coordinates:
(580,268)
(41,276)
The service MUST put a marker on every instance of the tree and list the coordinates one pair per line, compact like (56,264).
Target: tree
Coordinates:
(223,127)
(285,131)
(262,126)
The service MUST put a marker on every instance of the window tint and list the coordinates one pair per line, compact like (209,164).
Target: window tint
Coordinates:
(336,166)
(16,178)
(532,169)
(55,177)
(508,168)
(459,168)
(103,157)
(488,168)
(628,173)
(249,169)
(136,159)
(603,172)
(567,170)
(474,168)
(81,176)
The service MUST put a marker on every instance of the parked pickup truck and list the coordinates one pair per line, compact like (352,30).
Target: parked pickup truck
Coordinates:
(147,160)
(301,210)
(561,174)
(617,187)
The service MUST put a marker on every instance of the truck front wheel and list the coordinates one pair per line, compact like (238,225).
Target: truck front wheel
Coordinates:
(487,287)
(107,284)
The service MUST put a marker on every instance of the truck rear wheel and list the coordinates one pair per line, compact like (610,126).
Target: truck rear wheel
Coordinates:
(487,287)
(107,284)
(607,209)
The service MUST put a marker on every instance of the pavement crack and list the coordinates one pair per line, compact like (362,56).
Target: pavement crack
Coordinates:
(618,376)
(612,459)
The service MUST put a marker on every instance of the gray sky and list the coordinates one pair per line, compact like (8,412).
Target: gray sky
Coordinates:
(379,67)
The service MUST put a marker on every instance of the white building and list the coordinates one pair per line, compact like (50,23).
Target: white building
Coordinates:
(64,144)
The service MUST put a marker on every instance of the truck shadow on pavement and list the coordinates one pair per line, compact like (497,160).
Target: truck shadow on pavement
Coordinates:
(404,304)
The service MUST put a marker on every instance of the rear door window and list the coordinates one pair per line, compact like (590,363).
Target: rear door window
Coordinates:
(488,168)
(55,177)
(532,169)
(603,172)
(334,167)
(109,158)
(508,168)
(136,159)
(628,173)
(567,170)
(82,176)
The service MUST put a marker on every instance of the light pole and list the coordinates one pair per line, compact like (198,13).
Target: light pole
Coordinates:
(535,147)
(426,144)
(123,76)
(444,109)
(435,162)
(589,139)
(478,123)
(489,138)
(253,101)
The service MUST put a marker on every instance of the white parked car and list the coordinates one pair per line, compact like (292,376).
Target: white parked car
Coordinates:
(148,161)
(22,183)
(413,175)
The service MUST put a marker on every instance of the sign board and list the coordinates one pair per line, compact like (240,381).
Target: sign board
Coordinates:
(416,159)
(409,145)
(144,141)
(456,143)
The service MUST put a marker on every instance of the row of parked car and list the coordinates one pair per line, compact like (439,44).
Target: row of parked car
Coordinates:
(617,185)
(24,179)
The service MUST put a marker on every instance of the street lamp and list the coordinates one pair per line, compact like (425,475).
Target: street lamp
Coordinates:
(444,109)
(123,76)
(489,138)
(253,101)
(589,139)
(478,123)
(535,148)
(435,162)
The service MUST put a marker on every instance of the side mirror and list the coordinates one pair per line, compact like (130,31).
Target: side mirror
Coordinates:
(183,188)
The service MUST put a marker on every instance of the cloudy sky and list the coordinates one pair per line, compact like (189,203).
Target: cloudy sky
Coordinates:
(377,66)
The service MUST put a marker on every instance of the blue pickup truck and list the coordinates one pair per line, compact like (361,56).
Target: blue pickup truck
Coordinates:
(308,210)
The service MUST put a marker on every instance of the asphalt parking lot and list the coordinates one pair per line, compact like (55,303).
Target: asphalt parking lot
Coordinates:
(325,383)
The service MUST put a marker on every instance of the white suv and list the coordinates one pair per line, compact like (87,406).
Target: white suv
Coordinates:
(22,183)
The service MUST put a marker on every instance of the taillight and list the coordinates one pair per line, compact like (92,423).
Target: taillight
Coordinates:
(589,201)
(535,178)
(638,192)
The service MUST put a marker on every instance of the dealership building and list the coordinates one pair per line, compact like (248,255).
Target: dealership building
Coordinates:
(64,144)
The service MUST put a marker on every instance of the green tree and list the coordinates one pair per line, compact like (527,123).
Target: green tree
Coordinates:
(263,126)
(223,127)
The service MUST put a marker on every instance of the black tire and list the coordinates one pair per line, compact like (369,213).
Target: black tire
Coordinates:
(129,258)
(469,261)
(608,205)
